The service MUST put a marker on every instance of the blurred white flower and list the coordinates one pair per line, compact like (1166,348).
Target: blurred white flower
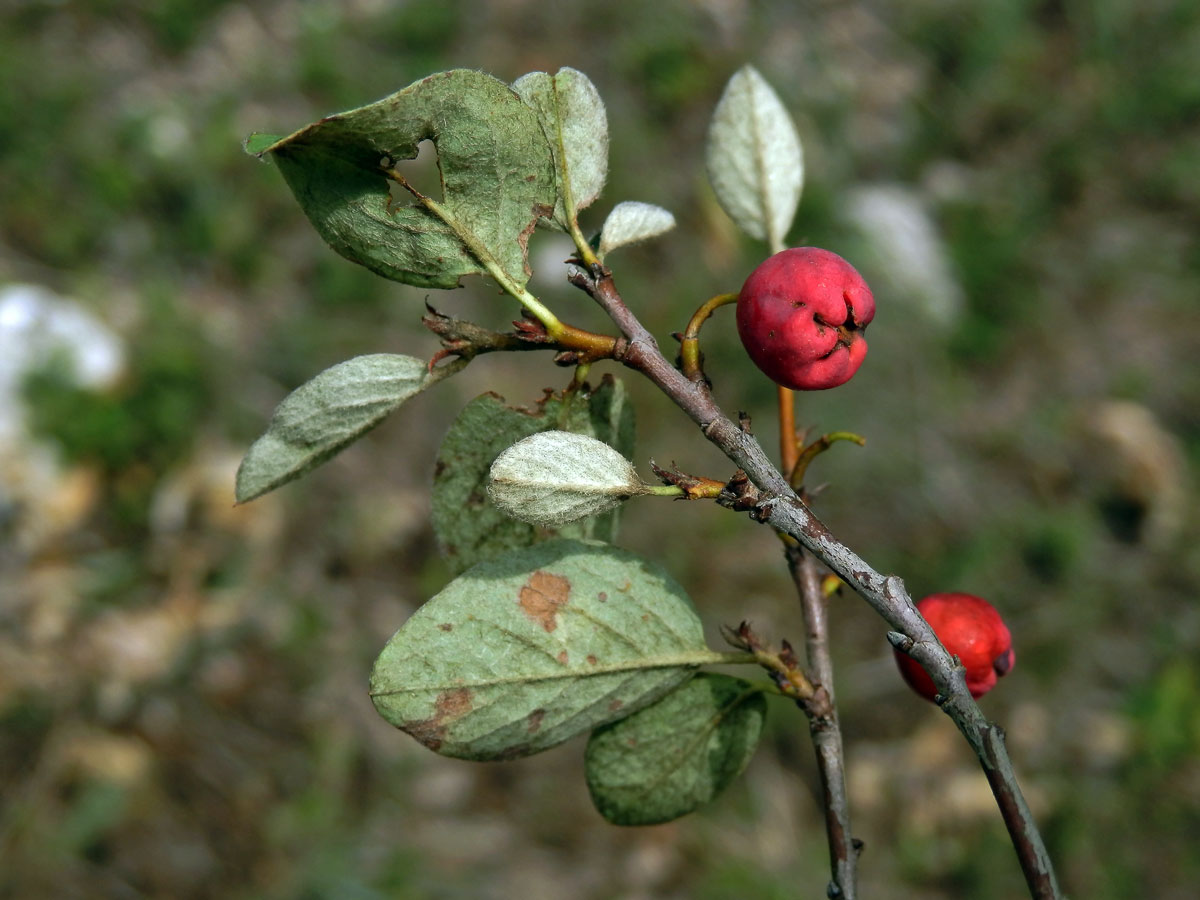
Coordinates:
(35,324)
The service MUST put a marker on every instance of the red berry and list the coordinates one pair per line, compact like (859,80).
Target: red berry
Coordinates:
(970,628)
(801,316)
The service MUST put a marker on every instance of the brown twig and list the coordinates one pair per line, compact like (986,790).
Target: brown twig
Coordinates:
(694,487)
(466,340)
(826,730)
(781,508)
(689,342)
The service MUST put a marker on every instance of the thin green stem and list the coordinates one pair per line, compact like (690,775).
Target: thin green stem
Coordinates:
(553,326)
(815,449)
(664,490)
(586,253)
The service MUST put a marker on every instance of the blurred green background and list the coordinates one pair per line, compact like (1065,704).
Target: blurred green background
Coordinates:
(183,710)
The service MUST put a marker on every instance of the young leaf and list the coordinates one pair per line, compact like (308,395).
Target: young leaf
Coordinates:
(630,222)
(534,647)
(496,169)
(468,525)
(673,757)
(257,143)
(754,158)
(576,127)
(324,415)
(557,477)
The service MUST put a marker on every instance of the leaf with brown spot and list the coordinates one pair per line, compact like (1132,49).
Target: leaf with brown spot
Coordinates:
(542,596)
(516,670)
(449,706)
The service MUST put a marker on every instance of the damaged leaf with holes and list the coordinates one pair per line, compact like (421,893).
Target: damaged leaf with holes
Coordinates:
(534,647)
(497,179)
(469,526)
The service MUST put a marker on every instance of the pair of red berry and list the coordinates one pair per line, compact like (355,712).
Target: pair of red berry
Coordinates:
(801,317)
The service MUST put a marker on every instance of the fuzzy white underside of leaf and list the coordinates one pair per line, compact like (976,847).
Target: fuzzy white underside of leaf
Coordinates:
(327,413)
(754,158)
(576,126)
(633,221)
(556,477)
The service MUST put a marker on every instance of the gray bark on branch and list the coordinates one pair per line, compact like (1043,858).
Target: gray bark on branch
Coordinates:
(780,507)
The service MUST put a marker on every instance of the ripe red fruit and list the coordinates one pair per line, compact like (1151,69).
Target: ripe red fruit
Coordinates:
(801,316)
(970,628)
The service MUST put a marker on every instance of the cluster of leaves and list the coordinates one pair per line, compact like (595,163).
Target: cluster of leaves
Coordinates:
(548,631)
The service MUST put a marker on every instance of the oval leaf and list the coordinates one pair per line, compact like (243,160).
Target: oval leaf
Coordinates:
(527,650)
(496,169)
(324,415)
(754,158)
(632,221)
(557,477)
(486,427)
(576,127)
(673,757)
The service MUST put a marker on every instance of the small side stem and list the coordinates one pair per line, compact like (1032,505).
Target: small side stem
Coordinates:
(799,467)
(664,490)
(789,449)
(466,340)
(689,350)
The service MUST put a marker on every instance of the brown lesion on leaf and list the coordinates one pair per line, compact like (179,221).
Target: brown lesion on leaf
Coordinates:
(614,705)
(446,626)
(562,657)
(450,706)
(540,211)
(592,659)
(535,720)
(542,596)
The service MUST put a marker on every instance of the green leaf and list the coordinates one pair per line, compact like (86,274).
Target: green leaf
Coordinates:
(496,170)
(469,527)
(754,158)
(324,415)
(258,143)
(530,649)
(576,127)
(673,757)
